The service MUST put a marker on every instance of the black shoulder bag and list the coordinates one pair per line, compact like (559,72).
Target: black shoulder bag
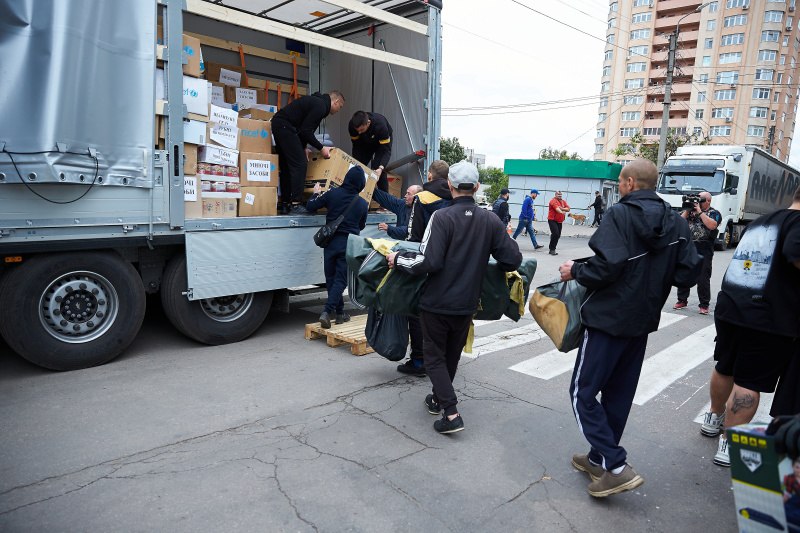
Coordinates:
(324,235)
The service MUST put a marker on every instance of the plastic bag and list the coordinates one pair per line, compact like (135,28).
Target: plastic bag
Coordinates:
(387,334)
(556,307)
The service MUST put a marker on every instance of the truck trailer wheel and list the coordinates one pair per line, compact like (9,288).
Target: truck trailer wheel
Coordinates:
(727,239)
(73,310)
(213,321)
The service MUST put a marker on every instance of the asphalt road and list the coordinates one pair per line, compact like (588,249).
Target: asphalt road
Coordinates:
(278,433)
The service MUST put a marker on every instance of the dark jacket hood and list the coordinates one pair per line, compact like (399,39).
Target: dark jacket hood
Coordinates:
(651,218)
(438,187)
(354,180)
(326,98)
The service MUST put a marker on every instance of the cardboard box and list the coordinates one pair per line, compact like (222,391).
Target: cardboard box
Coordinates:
(258,169)
(258,202)
(758,472)
(217,93)
(219,207)
(191,197)
(255,136)
(257,113)
(230,75)
(194,131)
(331,172)
(191,48)
(189,157)
(245,95)
(217,155)
(195,95)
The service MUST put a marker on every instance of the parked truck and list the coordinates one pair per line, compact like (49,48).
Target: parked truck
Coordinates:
(745,182)
(92,212)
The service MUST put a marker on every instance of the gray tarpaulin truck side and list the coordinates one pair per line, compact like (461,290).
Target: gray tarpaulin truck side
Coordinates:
(92,216)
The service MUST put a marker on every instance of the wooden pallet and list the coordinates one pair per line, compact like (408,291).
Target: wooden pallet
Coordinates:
(351,333)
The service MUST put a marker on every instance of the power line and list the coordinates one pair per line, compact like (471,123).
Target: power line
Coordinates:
(560,101)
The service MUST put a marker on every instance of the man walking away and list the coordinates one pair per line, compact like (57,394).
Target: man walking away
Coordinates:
(526,218)
(641,250)
(500,207)
(598,209)
(400,207)
(338,200)
(454,253)
(371,134)
(293,128)
(703,222)
(556,213)
(758,324)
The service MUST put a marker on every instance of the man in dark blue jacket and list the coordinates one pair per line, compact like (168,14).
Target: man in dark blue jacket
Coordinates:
(526,217)
(338,201)
(400,207)
(500,206)
(641,249)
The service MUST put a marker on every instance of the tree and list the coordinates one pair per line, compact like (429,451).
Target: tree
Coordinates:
(640,147)
(552,153)
(496,179)
(451,151)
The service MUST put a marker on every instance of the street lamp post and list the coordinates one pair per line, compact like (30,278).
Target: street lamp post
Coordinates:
(673,45)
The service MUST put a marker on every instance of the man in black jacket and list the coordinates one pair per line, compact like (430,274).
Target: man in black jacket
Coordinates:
(598,209)
(338,201)
(641,250)
(454,253)
(500,206)
(371,134)
(293,128)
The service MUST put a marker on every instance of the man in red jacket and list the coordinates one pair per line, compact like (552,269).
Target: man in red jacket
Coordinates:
(556,214)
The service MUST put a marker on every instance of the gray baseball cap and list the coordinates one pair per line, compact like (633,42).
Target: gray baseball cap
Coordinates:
(463,175)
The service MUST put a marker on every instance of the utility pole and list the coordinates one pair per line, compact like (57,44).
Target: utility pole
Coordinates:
(662,142)
(771,138)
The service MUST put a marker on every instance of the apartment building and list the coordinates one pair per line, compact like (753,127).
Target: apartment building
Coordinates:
(735,78)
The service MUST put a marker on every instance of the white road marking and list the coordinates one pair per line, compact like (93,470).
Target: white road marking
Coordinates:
(505,339)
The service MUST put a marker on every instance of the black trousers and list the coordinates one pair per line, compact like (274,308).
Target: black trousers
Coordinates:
(598,216)
(292,162)
(555,233)
(335,273)
(364,156)
(415,332)
(444,339)
(706,249)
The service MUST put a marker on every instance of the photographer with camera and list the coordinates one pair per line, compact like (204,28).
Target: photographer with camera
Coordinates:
(703,221)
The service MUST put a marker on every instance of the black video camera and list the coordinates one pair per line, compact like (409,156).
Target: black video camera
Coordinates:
(690,201)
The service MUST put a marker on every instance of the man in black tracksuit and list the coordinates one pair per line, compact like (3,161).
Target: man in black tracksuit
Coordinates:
(293,128)
(642,249)
(371,134)
(338,201)
(454,253)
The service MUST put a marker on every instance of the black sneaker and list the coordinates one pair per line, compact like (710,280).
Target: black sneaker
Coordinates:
(432,405)
(553,252)
(444,425)
(538,246)
(325,320)
(342,318)
(297,210)
(410,368)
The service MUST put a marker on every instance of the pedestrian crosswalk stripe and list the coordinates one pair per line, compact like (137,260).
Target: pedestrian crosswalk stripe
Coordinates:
(503,340)
(668,365)
(554,363)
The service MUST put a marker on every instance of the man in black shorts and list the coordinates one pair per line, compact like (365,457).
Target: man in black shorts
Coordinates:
(758,322)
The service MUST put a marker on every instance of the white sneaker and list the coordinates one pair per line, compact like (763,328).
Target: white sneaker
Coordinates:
(712,424)
(722,458)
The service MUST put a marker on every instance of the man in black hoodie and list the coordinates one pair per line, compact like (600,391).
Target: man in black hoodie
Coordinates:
(371,134)
(293,128)
(641,249)
(455,254)
(338,201)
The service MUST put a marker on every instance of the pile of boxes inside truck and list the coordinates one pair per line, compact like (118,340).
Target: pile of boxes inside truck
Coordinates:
(230,167)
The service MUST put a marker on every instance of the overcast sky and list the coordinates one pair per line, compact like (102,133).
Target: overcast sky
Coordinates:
(500,53)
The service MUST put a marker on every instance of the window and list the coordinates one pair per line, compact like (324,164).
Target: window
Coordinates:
(628,132)
(713,7)
(755,131)
(793,63)
(785,41)
(635,83)
(642,3)
(725,94)
(601,117)
(610,38)
(769,36)
(719,131)
(767,55)
(609,55)
(703,79)
(697,131)
(773,16)
(731,39)
(706,61)
(604,101)
(631,115)
(709,43)
(779,79)
(761,93)
(783,58)
(772,116)
(606,70)
(729,76)
(640,34)
(758,112)
(637,51)
(698,114)
(730,57)
(601,132)
(711,25)
(701,96)
(612,23)
(651,132)
(614,7)
(764,74)
(777,96)
(736,3)
(604,87)
(736,20)
(598,148)
(633,100)
(636,67)
(722,112)
(642,17)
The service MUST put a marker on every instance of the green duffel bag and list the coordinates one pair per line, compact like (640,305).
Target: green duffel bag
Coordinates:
(497,298)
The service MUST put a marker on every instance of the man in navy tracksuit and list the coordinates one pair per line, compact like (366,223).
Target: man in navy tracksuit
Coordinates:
(455,254)
(641,250)
(400,207)
(338,200)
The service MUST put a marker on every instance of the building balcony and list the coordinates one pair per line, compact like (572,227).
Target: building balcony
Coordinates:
(668,23)
(684,38)
(666,7)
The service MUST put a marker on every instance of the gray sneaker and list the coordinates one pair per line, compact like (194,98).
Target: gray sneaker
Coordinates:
(712,424)
(722,457)
(581,462)
(609,483)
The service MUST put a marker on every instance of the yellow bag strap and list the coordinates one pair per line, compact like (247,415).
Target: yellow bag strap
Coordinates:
(517,292)
(470,338)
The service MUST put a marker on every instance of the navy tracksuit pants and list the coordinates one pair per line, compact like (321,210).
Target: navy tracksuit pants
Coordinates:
(335,273)
(611,366)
